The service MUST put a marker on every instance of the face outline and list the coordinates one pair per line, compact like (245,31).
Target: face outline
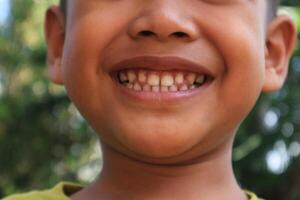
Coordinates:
(97,35)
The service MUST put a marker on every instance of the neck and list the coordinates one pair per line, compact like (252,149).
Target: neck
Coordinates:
(125,178)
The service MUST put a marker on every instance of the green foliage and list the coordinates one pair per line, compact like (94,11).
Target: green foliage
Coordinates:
(44,140)
(41,134)
(256,143)
(290,2)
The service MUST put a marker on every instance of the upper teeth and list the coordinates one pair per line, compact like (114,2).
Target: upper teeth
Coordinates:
(200,80)
(191,77)
(131,76)
(167,80)
(144,80)
(142,76)
(153,80)
(179,78)
(123,77)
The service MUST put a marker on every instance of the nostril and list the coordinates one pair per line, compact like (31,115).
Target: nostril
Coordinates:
(146,33)
(179,34)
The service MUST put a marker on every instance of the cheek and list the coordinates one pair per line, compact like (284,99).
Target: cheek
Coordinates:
(243,52)
(240,41)
(244,78)
(241,45)
(82,64)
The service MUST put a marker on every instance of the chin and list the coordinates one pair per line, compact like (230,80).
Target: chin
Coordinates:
(161,142)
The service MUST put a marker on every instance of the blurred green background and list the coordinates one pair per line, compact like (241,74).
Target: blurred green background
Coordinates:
(43,138)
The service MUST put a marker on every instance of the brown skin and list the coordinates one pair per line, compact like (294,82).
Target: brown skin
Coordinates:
(167,151)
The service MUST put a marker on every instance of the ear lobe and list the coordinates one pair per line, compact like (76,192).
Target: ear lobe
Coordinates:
(280,42)
(54,70)
(55,36)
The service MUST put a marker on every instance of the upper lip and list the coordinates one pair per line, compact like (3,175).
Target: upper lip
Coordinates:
(161,64)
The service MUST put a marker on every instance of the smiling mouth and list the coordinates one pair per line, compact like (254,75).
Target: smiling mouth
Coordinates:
(146,80)
(161,75)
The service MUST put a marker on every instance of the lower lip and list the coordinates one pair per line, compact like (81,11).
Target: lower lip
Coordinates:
(163,97)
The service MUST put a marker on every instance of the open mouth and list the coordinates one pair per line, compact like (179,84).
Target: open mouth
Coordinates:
(163,79)
(146,80)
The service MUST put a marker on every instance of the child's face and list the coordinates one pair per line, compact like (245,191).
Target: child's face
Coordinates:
(227,41)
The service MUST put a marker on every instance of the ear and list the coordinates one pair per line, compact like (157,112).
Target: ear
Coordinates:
(280,42)
(55,36)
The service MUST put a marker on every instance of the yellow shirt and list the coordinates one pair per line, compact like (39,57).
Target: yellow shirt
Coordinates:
(64,190)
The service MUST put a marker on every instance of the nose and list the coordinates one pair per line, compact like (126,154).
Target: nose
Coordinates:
(163,22)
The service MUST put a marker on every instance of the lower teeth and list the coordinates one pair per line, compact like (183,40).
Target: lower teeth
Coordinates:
(148,88)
